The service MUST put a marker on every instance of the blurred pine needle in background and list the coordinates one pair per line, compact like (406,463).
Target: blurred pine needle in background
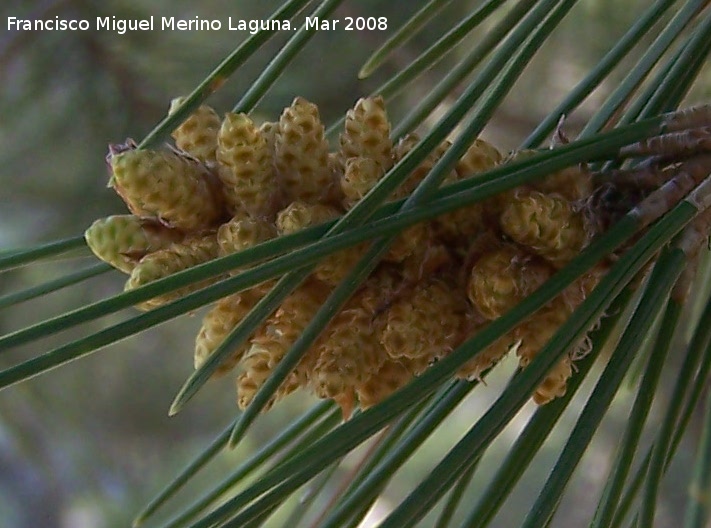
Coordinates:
(625,443)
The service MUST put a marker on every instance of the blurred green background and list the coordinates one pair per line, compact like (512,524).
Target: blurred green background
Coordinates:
(87,445)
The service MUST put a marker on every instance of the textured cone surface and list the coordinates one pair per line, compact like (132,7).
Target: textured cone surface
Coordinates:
(502,278)
(300,215)
(481,156)
(257,367)
(379,290)
(555,383)
(406,144)
(391,376)
(433,258)
(302,153)
(123,240)
(549,225)
(403,147)
(538,329)
(247,169)
(359,177)
(337,168)
(219,322)
(197,135)
(367,132)
(412,240)
(461,225)
(334,268)
(571,183)
(242,232)
(348,350)
(165,262)
(495,205)
(268,130)
(174,188)
(335,356)
(273,341)
(534,333)
(487,358)
(426,324)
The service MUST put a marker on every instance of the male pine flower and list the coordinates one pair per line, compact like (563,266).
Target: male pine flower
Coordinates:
(440,281)
(300,215)
(178,190)
(461,225)
(426,324)
(348,353)
(164,262)
(197,135)
(123,240)
(503,277)
(246,167)
(367,132)
(487,358)
(359,177)
(571,183)
(243,231)
(391,376)
(219,322)
(271,342)
(302,153)
(549,225)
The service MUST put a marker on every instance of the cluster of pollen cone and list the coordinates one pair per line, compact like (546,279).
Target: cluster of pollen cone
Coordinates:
(231,184)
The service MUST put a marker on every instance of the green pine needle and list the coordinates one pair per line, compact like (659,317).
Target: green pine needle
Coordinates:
(217,445)
(402,35)
(52,286)
(666,271)
(367,489)
(219,75)
(684,399)
(540,426)
(603,68)
(638,415)
(698,511)
(279,63)
(664,445)
(432,55)
(632,81)
(455,497)
(20,257)
(523,19)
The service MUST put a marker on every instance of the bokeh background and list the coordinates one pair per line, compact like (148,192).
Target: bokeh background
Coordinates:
(88,444)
